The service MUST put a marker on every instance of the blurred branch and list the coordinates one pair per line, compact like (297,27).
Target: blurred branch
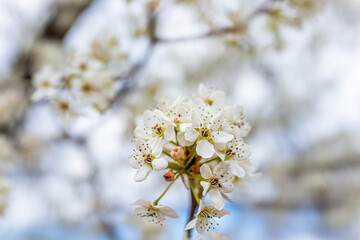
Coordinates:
(66,14)
(128,78)
(237,29)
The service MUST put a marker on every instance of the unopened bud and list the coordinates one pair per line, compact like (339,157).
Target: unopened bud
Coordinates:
(177,153)
(169,176)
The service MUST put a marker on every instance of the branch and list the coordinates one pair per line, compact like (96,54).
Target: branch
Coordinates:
(263,9)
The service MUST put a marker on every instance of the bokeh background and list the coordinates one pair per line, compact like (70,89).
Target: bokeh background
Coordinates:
(294,66)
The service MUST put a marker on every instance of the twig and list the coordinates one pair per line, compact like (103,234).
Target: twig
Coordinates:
(192,209)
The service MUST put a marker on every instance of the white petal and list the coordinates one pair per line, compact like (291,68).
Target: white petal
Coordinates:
(222,168)
(141,202)
(162,116)
(183,126)
(221,213)
(168,211)
(203,91)
(182,141)
(206,171)
(218,98)
(191,224)
(222,137)
(205,149)
(159,164)
(196,120)
(141,133)
(245,129)
(134,163)
(205,186)
(139,143)
(156,145)
(201,207)
(169,134)
(201,225)
(191,134)
(221,155)
(237,170)
(217,120)
(182,112)
(227,187)
(142,173)
(142,211)
(216,199)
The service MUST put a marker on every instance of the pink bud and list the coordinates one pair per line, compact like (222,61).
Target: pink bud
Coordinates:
(169,176)
(177,153)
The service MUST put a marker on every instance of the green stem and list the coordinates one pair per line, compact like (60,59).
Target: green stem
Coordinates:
(213,159)
(193,153)
(195,176)
(167,154)
(193,192)
(176,133)
(176,144)
(158,199)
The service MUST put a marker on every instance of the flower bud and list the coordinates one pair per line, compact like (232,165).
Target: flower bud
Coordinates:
(177,153)
(169,176)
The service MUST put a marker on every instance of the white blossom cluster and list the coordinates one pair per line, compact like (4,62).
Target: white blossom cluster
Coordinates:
(200,138)
(88,81)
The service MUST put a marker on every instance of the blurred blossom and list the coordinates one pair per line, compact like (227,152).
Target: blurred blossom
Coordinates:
(12,105)
(7,151)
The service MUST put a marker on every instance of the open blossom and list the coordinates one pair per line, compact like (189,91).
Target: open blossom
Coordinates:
(156,128)
(145,159)
(214,99)
(154,213)
(235,121)
(217,181)
(205,218)
(233,151)
(178,111)
(207,130)
(46,82)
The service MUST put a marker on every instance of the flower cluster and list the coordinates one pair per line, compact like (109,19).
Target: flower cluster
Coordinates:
(88,81)
(201,140)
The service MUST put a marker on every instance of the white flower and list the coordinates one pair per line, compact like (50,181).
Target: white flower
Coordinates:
(156,128)
(217,181)
(206,129)
(154,213)
(82,62)
(205,218)
(250,168)
(236,123)
(65,106)
(178,111)
(46,81)
(145,159)
(214,99)
(95,87)
(235,150)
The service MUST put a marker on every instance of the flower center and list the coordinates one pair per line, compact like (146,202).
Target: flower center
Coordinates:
(209,101)
(214,181)
(230,152)
(205,132)
(147,158)
(158,130)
